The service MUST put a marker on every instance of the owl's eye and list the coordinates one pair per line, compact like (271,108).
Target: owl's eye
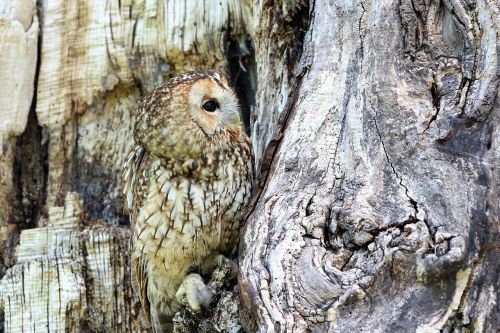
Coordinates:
(210,106)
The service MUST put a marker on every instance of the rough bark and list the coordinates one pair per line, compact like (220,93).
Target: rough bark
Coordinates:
(70,275)
(18,47)
(377,206)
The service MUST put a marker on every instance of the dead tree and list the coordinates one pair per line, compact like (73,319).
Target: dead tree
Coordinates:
(377,206)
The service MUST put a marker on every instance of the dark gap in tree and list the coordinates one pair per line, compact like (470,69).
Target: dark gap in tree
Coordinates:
(296,25)
(488,143)
(243,76)
(30,167)
(30,174)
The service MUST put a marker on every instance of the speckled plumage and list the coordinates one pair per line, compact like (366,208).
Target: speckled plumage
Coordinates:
(185,181)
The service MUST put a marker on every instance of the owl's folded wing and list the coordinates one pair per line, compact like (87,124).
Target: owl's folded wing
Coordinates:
(131,170)
(139,283)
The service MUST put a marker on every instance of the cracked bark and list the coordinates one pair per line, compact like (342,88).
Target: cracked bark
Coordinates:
(377,208)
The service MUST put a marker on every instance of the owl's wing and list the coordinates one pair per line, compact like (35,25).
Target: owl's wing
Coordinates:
(133,197)
(131,170)
(140,282)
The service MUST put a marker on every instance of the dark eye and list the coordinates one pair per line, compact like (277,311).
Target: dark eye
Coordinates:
(210,106)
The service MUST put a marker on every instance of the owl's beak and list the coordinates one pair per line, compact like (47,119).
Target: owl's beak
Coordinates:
(231,118)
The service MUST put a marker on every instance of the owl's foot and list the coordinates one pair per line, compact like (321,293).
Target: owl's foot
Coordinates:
(221,261)
(194,293)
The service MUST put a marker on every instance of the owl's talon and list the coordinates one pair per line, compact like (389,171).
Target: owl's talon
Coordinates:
(223,261)
(194,293)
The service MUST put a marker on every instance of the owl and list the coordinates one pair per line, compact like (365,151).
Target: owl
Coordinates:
(186,179)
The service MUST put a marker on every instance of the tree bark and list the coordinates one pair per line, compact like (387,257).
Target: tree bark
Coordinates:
(377,205)
(375,131)
(18,47)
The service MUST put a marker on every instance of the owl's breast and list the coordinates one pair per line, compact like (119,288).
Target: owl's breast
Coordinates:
(182,220)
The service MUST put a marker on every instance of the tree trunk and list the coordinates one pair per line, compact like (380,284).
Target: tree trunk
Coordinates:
(375,131)
(377,206)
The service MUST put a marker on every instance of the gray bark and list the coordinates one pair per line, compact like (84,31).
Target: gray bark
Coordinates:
(377,206)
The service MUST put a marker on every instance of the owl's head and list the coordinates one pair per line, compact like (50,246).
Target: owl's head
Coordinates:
(187,115)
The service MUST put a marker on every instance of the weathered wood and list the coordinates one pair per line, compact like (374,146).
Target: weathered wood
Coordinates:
(380,209)
(18,50)
(69,276)
(18,46)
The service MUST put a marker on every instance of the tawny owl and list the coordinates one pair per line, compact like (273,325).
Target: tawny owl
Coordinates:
(185,181)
